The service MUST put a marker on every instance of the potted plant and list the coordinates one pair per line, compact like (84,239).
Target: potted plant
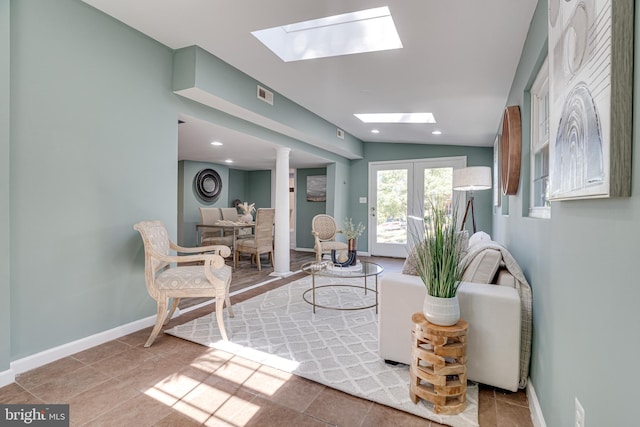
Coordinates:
(437,257)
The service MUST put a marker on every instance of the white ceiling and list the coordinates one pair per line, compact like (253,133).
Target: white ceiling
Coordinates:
(458,62)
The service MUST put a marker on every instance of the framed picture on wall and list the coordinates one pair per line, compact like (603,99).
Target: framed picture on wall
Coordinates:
(317,188)
(590,98)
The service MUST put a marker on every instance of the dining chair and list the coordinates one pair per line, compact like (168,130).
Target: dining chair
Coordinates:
(262,241)
(324,230)
(231,214)
(212,235)
(167,279)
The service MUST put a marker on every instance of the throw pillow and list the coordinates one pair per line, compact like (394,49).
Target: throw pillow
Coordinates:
(483,267)
(479,237)
(409,266)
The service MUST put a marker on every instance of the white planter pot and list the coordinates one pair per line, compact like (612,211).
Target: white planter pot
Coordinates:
(441,311)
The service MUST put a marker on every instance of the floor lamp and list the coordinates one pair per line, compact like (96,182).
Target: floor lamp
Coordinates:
(471,179)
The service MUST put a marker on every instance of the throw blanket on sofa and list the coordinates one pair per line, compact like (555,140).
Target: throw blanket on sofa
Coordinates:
(523,288)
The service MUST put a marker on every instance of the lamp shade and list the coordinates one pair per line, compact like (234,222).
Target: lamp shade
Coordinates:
(472,178)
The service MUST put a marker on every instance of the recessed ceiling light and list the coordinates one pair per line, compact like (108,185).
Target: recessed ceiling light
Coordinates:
(216,143)
(437,132)
(363,31)
(228,161)
(375,131)
(397,118)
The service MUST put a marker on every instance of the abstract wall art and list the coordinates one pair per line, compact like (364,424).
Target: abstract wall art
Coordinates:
(317,188)
(590,98)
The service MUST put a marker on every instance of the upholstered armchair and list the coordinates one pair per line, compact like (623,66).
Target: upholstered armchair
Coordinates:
(324,230)
(166,279)
(262,241)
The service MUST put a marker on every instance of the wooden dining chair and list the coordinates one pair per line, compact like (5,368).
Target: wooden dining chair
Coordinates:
(212,235)
(262,240)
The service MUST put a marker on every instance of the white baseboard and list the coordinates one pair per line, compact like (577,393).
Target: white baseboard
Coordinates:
(7,377)
(534,406)
(39,359)
(304,249)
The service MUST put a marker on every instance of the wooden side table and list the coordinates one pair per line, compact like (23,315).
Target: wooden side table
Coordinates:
(438,368)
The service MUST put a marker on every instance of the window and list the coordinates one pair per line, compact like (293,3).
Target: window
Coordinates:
(539,205)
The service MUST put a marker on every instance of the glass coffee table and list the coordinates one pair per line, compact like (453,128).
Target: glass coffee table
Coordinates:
(362,270)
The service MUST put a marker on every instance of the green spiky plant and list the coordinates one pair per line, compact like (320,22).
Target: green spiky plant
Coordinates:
(437,255)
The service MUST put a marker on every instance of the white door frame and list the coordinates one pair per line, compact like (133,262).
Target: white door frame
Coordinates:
(415,201)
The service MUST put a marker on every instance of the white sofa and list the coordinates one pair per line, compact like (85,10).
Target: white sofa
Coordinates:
(495,299)
(493,314)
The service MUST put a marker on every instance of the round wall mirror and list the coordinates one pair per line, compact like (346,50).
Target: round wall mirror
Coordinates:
(208,185)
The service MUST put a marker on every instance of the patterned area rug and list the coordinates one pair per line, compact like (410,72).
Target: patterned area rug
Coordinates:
(336,348)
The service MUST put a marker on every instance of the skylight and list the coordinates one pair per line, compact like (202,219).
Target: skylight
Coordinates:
(397,118)
(364,31)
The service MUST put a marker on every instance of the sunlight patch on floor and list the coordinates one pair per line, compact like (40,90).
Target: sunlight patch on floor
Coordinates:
(278,362)
(209,390)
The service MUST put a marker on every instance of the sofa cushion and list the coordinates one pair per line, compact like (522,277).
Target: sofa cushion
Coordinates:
(504,278)
(483,267)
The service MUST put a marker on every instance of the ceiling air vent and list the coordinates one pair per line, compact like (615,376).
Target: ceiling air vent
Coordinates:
(340,133)
(265,95)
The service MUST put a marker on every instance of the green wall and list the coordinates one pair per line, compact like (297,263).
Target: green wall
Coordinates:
(376,152)
(93,151)
(238,184)
(305,211)
(197,72)
(5,132)
(338,192)
(259,188)
(581,264)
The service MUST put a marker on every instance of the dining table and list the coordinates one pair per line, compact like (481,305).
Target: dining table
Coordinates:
(235,227)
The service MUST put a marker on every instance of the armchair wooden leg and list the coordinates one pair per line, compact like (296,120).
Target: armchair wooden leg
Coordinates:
(258,262)
(162,312)
(227,300)
(219,307)
(176,301)
(271,258)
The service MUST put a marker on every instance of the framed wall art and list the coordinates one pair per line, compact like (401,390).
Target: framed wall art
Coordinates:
(317,188)
(590,98)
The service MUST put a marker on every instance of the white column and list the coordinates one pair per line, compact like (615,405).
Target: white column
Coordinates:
(282,262)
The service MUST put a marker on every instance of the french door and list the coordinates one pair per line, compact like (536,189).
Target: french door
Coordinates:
(399,196)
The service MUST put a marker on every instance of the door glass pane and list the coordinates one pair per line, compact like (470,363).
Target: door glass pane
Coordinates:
(392,206)
(438,189)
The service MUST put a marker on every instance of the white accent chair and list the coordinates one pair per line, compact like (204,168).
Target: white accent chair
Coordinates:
(166,279)
(324,230)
